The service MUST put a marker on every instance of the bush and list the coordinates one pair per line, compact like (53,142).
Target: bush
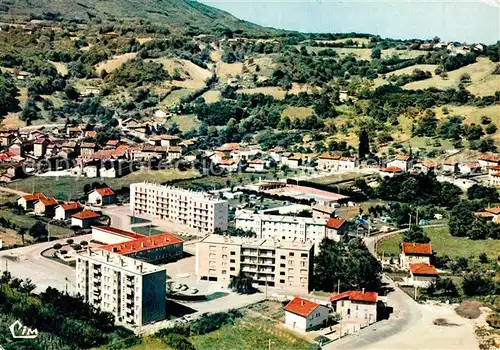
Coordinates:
(63,252)
(212,322)
(493,320)
(178,342)
(70,241)
(475,284)
(57,246)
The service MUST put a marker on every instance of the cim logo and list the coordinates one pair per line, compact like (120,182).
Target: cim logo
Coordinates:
(19,331)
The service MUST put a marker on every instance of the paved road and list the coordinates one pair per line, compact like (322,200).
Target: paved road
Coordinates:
(26,262)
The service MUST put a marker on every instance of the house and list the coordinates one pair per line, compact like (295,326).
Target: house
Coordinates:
(494,178)
(414,253)
(327,161)
(355,304)
(45,206)
(348,163)
(335,227)
(112,144)
(66,210)
(488,160)
(28,202)
(322,212)
(402,161)
(470,168)
(6,139)
(391,171)
(422,275)
(84,219)
(257,165)
(87,148)
(230,165)
(217,157)
(304,315)
(20,147)
(428,167)
(496,214)
(450,166)
(276,153)
(40,147)
(293,161)
(13,171)
(101,196)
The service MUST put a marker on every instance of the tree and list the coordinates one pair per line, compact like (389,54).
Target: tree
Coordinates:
(27,286)
(477,191)
(71,92)
(364,144)
(475,284)
(491,129)
(38,231)
(8,95)
(415,235)
(376,53)
(483,258)
(462,217)
(241,284)
(30,111)
(22,233)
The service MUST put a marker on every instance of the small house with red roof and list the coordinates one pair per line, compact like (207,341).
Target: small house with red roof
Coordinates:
(230,165)
(45,206)
(335,227)
(355,304)
(470,168)
(402,161)
(348,163)
(40,147)
(85,218)
(101,196)
(391,171)
(304,315)
(66,210)
(276,153)
(28,201)
(256,165)
(414,253)
(450,166)
(488,160)
(328,161)
(422,275)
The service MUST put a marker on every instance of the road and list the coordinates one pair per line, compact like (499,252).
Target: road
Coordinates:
(27,262)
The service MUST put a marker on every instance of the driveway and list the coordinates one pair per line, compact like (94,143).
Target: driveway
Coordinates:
(26,262)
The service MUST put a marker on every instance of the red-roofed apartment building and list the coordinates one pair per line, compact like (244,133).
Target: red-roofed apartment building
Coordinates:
(101,196)
(422,275)
(154,249)
(304,315)
(355,304)
(28,201)
(414,253)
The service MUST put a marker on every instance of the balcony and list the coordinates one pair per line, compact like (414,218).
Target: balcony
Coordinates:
(249,252)
(269,262)
(249,269)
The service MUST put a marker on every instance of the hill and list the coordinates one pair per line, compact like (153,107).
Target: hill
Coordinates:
(186,15)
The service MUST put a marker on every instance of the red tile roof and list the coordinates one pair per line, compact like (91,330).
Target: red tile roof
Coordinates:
(143,243)
(429,164)
(335,223)
(450,162)
(228,147)
(348,159)
(496,174)
(490,158)
(402,157)
(495,167)
(472,165)
(416,248)
(301,307)
(112,142)
(257,161)
(105,192)
(71,206)
(48,201)
(356,295)
(392,169)
(227,162)
(495,210)
(277,149)
(33,197)
(334,156)
(483,214)
(86,214)
(423,269)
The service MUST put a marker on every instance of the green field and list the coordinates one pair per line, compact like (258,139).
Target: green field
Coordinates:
(245,334)
(445,244)
(28,221)
(65,188)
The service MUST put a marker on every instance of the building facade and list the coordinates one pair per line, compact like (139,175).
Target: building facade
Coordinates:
(198,210)
(304,315)
(280,265)
(354,304)
(412,253)
(133,291)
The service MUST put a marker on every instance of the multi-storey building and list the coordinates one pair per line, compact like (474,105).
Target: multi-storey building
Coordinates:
(197,210)
(279,265)
(289,228)
(132,290)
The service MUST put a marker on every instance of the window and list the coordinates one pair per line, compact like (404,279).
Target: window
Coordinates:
(211,256)
(282,281)
(231,269)
(283,257)
(224,272)
(291,254)
(282,273)
(303,255)
(224,256)
(233,253)
(212,271)
(232,261)
(282,265)
(212,247)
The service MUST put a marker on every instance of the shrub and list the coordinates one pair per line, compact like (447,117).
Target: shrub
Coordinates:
(63,252)
(57,246)
(212,322)
(178,342)
(70,241)
(84,243)
(475,284)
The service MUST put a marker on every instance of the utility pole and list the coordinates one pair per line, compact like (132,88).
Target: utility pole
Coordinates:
(338,286)
(409,225)
(416,221)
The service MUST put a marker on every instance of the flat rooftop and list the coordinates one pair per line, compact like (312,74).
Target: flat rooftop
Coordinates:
(281,218)
(249,242)
(122,262)
(143,244)
(177,191)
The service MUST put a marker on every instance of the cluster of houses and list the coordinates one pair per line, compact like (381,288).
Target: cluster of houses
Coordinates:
(73,213)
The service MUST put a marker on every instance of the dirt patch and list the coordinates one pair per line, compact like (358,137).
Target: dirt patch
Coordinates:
(469,309)
(115,62)
(444,322)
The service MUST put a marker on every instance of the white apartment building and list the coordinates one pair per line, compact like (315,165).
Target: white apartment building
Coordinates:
(132,290)
(280,265)
(287,228)
(198,210)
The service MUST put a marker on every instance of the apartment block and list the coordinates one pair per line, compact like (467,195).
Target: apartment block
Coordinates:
(132,290)
(197,210)
(279,265)
(289,228)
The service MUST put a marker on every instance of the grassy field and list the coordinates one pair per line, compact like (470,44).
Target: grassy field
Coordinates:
(185,122)
(175,97)
(60,67)
(480,72)
(408,70)
(445,244)
(115,63)
(64,188)
(27,221)
(297,112)
(274,91)
(193,76)
(212,96)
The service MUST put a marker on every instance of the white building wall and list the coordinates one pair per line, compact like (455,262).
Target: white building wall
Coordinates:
(295,321)
(106,237)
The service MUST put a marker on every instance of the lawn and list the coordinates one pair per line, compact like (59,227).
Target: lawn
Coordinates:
(245,334)
(27,221)
(445,244)
(64,188)
(185,122)
(297,112)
